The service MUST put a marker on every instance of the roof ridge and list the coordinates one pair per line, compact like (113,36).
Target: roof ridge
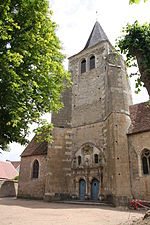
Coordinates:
(140,103)
(140,117)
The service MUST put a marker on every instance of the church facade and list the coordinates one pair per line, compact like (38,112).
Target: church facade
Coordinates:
(101,148)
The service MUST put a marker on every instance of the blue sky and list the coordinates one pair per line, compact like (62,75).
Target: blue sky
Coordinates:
(76,19)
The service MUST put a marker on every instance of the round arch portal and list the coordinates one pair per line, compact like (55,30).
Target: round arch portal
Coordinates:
(82,189)
(94,189)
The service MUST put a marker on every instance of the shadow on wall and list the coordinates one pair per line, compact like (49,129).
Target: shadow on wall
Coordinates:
(8,188)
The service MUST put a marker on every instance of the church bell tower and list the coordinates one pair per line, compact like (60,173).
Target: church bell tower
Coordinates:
(89,156)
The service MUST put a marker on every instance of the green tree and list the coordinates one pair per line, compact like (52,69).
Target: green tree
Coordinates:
(136,1)
(135,44)
(32,76)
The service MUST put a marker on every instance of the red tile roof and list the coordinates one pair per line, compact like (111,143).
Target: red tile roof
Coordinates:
(140,118)
(7,170)
(14,163)
(35,148)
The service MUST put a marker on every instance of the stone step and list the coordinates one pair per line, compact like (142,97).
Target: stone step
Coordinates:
(107,204)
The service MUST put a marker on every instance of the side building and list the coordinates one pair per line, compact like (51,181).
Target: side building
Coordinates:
(139,150)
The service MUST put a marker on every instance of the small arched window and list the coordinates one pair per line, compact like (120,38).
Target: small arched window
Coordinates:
(79,160)
(146,161)
(35,169)
(92,62)
(96,158)
(83,66)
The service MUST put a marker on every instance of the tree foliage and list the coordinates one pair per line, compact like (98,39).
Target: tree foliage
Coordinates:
(31,68)
(16,178)
(136,1)
(135,44)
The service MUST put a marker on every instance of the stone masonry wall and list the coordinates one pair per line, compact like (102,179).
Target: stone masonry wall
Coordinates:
(117,121)
(63,117)
(117,181)
(8,188)
(88,94)
(58,176)
(88,105)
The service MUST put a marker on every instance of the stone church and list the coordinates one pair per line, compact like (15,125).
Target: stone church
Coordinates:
(101,148)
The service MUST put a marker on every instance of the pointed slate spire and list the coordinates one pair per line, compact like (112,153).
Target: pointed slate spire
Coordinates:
(97,35)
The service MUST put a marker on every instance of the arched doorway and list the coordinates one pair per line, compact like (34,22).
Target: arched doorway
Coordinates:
(94,189)
(82,189)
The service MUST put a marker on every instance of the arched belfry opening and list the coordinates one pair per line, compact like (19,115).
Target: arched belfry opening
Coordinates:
(83,66)
(92,62)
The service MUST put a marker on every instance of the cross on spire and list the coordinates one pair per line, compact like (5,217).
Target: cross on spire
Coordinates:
(96,15)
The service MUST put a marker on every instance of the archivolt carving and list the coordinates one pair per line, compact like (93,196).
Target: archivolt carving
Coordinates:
(87,149)
(87,154)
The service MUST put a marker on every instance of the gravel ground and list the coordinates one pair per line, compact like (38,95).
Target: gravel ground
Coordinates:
(139,222)
(142,221)
(27,212)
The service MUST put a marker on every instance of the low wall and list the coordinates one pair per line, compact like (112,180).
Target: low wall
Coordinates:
(8,188)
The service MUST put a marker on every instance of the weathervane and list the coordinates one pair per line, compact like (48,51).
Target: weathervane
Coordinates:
(96,15)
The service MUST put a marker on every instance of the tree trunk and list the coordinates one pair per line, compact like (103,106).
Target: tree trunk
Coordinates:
(145,73)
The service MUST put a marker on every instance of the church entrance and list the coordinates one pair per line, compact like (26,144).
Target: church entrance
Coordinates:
(82,189)
(94,189)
